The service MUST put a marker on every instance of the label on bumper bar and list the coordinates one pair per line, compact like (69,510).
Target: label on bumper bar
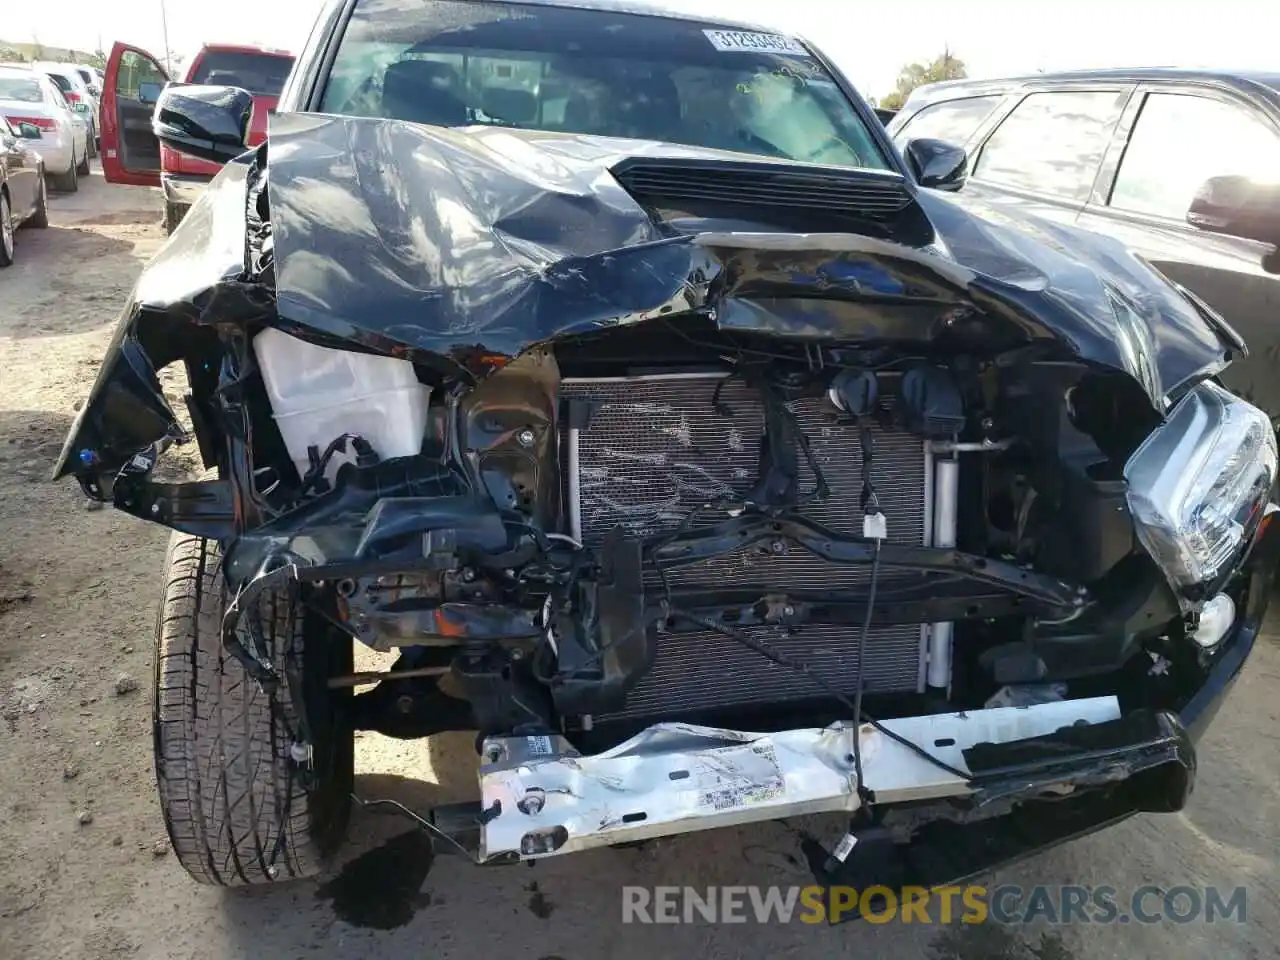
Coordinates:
(743,776)
(679,778)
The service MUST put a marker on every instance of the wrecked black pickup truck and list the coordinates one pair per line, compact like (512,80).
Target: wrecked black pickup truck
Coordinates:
(691,445)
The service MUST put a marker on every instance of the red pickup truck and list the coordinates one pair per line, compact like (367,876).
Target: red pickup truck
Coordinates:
(130,151)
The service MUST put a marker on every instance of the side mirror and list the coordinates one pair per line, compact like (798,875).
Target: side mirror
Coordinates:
(1238,207)
(95,91)
(207,122)
(149,92)
(29,131)
(937,164)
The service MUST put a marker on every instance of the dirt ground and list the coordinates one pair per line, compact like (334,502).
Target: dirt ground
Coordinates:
(85,871)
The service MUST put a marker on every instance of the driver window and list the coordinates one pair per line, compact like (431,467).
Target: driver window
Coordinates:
(1182,140)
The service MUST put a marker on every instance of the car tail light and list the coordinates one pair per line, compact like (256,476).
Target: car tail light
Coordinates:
(44,123)
(71,97)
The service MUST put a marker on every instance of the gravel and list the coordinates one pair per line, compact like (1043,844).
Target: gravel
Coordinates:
(125,684)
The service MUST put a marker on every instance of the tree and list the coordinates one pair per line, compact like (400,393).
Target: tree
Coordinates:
(945,67)
(97,59)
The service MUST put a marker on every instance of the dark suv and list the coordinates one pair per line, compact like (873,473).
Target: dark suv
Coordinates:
(1125,152)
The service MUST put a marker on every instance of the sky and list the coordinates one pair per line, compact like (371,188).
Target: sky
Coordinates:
(869,41)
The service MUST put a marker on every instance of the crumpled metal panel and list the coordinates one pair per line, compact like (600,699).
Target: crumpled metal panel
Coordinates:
(543,799)
(492,240)
(461,247)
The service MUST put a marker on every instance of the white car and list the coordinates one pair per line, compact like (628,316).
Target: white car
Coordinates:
(79,93)
(92,78)
(28,96)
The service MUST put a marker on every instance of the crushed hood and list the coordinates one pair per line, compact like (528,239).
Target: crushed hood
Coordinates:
(488,241)
(456,246)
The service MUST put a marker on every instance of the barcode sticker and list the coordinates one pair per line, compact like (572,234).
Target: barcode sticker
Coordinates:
(735,41)
(845,847)
(741,776)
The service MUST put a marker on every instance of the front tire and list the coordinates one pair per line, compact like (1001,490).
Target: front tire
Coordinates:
(234,798)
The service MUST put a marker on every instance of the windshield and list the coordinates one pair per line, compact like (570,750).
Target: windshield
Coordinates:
(454,63)
(22,89)
(262,74)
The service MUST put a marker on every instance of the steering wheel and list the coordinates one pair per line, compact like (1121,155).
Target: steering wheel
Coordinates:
(759,144)
(827,144)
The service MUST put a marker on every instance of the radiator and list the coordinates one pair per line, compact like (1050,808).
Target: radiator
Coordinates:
(654,448)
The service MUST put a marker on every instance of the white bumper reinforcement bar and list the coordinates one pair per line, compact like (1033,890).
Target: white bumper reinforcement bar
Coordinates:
(541,798)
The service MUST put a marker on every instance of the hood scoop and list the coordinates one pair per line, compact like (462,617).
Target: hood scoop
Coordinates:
(794,197)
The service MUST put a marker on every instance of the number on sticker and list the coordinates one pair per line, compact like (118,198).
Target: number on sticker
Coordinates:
(539,746)
(735,41)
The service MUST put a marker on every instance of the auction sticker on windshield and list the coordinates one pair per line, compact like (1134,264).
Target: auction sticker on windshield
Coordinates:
(734,41)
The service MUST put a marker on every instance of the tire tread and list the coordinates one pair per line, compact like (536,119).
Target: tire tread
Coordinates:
(222,768)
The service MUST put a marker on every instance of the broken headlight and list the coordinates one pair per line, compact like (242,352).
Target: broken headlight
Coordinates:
(1199,483)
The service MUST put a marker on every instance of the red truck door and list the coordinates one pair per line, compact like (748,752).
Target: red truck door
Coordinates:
(130,151)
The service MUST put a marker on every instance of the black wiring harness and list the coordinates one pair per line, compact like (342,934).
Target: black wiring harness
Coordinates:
(854,706)
(874,528)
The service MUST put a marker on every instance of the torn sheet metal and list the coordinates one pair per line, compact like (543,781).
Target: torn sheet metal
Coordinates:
(493,240)
(195,284)
(542,798)
(462,248)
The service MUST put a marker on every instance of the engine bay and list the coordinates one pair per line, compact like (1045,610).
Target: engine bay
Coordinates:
(748,531)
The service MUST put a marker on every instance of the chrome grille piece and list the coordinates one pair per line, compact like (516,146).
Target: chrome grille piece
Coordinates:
(656,448)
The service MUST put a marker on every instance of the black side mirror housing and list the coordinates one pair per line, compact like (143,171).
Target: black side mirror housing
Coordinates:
(208,122)
(937,164)
(1238,207)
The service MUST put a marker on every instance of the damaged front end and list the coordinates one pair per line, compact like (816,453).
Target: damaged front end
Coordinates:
(620,492)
